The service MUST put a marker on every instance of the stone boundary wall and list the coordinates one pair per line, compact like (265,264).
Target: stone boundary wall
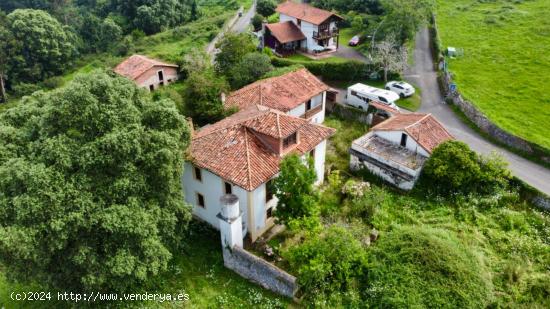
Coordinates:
(260,271)
(475,115)
(347,112)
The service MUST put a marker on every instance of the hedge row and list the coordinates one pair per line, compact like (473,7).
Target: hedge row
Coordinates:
(347,70)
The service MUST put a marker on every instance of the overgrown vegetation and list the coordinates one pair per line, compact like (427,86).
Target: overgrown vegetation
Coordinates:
(504,42)
(425,250)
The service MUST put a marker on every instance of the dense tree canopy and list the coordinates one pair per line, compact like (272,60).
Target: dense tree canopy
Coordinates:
(232,47)
(202,96)
(90,185)
(40,45)
(294,189)
(251,68)
(406,17)
(266,7)
(344,6)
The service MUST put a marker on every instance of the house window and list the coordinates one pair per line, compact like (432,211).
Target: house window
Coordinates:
(269,212)
(151,87)
(308,105)
(227,188)
(268,191)
(161,76)
(299,21)
(403,139)
(291,140)
(200,200)
(161,83)
(197,173)
(312,154)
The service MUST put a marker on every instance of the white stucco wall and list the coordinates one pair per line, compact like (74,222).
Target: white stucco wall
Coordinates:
(317,100)
(298,111)
(395,137)
(212,188)
(320,152)
(151,77)
(307,29)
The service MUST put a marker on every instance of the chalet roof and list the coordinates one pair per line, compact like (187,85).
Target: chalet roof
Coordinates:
(282,93)
(232,149)
(305,12)
(425,129)
(286,32)
(136,65)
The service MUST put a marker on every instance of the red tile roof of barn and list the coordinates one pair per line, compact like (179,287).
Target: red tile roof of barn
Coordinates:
(231,150)
(286,32)
(282,93)
(305,12)
(425,129)
(136,65)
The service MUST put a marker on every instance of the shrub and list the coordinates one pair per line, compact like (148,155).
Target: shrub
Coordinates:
(294,189)
(346,70)
(257,21)
(23,89)
(329,262)
(423,267)
(454,168)
(249,69)
(266,7)
(53,82)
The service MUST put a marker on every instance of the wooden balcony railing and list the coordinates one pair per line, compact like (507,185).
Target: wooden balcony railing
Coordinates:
(321,35)
(312,112)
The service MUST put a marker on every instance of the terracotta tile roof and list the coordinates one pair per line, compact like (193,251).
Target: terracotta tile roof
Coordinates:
(384,107)
(282,93)
(427,131)
(136,65)
(231,150)
(286,32)
(305,12)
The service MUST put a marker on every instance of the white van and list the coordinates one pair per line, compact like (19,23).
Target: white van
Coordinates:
(359,95)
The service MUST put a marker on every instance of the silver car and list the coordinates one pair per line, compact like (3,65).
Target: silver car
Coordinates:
(401,88)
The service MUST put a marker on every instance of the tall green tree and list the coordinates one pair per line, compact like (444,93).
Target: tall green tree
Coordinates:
(251,68)
(42,47)
(266,7)
(202,96)
(406,17)
(6,50)
(90,185)
(232,48)
(294,188)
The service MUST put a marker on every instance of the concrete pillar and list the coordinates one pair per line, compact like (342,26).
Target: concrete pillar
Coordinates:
(231,227)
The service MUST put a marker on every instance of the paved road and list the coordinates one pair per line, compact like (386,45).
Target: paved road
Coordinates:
(238,25)
(423,75)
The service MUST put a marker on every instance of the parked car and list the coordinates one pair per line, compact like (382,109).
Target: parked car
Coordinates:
(401,88)
(360,95)
(355,40)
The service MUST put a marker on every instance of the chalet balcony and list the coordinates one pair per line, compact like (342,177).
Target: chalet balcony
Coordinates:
(312,112)
(326,34)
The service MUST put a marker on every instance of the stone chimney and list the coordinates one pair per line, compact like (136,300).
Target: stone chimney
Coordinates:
(230,219)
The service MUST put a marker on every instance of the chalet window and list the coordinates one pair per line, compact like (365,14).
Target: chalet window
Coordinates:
(200,200)
(312,154)
(197,173)
(162,83)
(161,75)
(403,139)
(269,212)
(151,87)
(288,141)
(269,191)
(308,105)
(227,188)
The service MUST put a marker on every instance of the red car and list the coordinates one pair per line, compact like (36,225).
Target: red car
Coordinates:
(354,41)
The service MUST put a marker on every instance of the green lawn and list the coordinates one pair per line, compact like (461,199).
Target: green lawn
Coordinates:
(302,58)
(197,271)
(506,62)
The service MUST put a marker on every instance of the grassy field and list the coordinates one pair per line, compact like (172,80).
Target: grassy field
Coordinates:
(198,271)
(506,61)
(302,58)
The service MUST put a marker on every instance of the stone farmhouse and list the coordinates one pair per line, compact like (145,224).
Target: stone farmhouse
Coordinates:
(302,27)
(147,73)
(297,93)
(240,155)
(397,148)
